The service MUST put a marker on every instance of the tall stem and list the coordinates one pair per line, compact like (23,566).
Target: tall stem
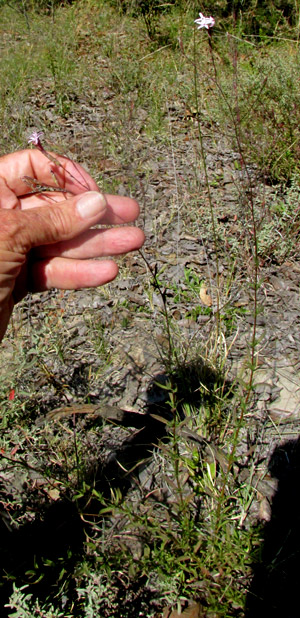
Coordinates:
(211,206)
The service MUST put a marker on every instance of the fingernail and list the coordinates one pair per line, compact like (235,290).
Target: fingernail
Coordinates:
(91,204)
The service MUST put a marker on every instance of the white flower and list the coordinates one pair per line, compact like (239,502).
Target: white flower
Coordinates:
(204,22)
(35,138)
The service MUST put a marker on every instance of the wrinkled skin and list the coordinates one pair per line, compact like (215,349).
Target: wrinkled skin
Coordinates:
(44,240)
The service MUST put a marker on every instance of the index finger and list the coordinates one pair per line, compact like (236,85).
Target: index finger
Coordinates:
(119,209)
(59,172)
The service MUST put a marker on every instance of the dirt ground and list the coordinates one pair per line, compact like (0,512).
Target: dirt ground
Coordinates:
(127,315)
(178,236)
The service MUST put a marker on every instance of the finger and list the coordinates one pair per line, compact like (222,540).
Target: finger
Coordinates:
(71,274)
(96,243)
(22,231)
(8,198)
(119,209)
(33,163)
(34,200)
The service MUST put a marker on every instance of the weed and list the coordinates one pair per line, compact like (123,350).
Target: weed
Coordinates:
(278,232)
(112,520)
(25,606)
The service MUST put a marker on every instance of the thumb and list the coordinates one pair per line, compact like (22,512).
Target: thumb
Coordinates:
(23,230)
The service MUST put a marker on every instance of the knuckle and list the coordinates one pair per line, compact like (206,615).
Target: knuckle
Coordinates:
(22,230)
(10,227)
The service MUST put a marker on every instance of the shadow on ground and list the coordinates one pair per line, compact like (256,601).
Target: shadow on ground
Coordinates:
(275,586)
(40,553)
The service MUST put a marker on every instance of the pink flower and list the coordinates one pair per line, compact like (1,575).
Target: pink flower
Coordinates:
(204,22)
(35,138)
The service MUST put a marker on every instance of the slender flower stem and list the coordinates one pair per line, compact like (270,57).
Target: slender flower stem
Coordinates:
(242,404)
(172,352)
(35,139)
(236,127)
(236,122)
(211,206)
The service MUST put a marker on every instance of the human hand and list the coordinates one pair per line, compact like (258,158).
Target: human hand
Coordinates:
(45,238)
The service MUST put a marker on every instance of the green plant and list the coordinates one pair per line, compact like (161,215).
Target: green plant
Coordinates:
(24,606)
(172,523)
(279,230)
(150,10)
